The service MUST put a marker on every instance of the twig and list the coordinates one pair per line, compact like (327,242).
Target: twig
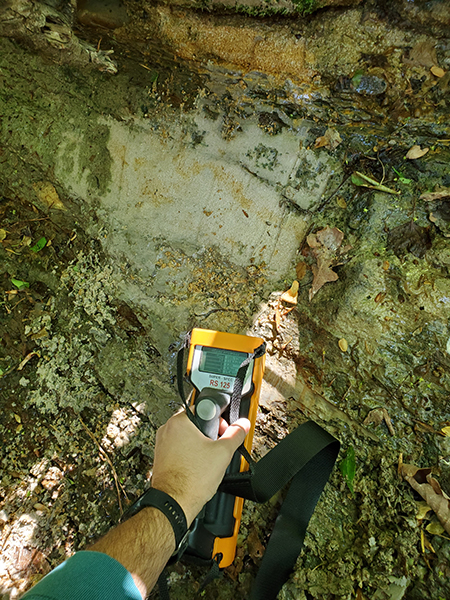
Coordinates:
(384,170)
(105,454)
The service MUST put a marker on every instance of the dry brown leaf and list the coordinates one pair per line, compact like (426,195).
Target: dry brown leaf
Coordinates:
(277,318)
(426,544)
(341,202)
(430,196)
(255,547)
(377,416)
(300,269)
(330,237)
(437,71)
(48,195)
(324,245)
(322,274)
(343,344)
(331,139)
(416,152)
(424,54)
(292,293)
(428,487)
(28,357)
(359,594)
(312,241)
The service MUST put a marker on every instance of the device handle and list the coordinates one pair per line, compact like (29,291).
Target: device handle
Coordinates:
(209,406)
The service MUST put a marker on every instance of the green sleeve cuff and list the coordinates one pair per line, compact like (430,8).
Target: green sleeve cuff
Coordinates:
(86,576)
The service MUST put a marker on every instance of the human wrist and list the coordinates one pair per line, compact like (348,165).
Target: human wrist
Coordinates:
(185,501)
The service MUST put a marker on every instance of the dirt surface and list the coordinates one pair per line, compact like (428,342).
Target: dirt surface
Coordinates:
(90,320)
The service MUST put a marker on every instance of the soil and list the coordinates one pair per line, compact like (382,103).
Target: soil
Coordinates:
(90,326)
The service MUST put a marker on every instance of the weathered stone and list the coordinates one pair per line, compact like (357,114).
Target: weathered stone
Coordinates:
(48,30)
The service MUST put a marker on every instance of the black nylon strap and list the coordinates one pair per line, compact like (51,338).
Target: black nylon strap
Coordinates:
(180,379)
(236,396)
(162,585)
(306,456)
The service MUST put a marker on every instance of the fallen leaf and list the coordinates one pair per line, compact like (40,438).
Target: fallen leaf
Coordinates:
(359,594)
(416,152)
(426,544)
(292,293)
(322,274)
(331,140)
(435,528)
(422,510)
(424,54)
(377,416)
(331,238)
(48,195)
(28,357)
(430,196)
(341,202)
(343,344)
(3,234)
(386,265)
(348,468)
(41,243)
(20,285)
(277,318)
(300,269)
(421,480)
(255,547)
(409,237)
(437,71)
(324,247)
(446,430)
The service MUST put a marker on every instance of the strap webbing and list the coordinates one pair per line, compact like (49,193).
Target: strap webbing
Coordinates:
(162,585)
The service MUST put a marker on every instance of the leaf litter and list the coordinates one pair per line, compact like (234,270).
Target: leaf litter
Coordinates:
(325,247)
(331,139)
(416,152)
(422,481)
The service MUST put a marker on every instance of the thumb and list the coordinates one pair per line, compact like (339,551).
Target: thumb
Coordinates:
(235,434)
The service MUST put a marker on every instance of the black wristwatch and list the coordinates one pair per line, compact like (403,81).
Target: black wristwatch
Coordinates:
(171,509)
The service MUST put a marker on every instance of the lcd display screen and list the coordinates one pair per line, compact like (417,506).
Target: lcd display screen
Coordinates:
(221,362)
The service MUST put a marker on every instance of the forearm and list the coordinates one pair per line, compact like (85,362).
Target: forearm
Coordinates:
(189,467)
(142,544)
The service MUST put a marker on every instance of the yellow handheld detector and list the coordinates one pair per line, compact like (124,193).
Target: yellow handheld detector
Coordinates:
(226,372)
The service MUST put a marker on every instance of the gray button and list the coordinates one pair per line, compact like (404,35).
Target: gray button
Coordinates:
(206,409)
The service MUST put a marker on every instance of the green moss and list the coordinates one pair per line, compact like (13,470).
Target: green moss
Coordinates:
(261,11)
(305,7)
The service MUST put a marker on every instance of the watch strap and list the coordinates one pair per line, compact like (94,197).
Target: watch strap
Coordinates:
(168,506)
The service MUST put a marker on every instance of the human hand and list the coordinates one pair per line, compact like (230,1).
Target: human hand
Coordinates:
(189,466)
